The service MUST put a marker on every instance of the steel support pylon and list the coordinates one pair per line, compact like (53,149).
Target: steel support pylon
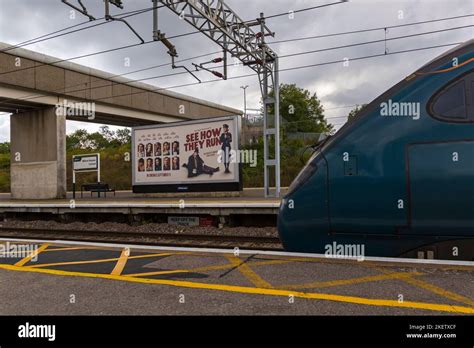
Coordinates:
(221,24)
(270,87)
(216,20)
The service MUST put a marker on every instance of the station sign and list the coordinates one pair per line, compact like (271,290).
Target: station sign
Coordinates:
(190,221)
(82,163)
(191,156)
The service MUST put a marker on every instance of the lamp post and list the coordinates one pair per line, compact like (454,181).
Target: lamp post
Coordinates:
(245,100)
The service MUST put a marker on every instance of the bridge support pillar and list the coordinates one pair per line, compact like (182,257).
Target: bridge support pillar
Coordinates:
(38,155)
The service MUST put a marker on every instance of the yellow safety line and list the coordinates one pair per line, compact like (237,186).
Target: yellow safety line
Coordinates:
(258,291)
(158,273)
(120,265)
(351,281)
(74,263)
(439,291)
(32,255)
(97,261)
(434,289)
(243,268)
(210,268)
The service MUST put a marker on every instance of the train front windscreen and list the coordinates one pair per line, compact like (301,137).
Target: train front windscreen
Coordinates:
(309,169)
(311,166)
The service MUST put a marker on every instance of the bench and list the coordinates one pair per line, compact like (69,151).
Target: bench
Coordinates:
(96,187)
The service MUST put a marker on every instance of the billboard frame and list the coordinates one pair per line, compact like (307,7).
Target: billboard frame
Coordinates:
(199,186)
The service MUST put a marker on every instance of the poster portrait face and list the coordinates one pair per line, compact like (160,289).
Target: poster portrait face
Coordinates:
(149,165)
(157,149)
(141,165)
(158,164)
(141,150)
(166,148)
(175,163)
(149,149)
(175,148)
(166,163)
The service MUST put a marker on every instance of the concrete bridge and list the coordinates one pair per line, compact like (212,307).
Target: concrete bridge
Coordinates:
(32,85)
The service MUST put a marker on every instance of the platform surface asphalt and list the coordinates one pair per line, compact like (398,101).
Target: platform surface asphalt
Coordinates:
(71,279)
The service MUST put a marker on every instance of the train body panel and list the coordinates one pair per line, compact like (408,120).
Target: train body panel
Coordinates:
(398,177)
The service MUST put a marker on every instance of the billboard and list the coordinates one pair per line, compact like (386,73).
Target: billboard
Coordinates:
(190,156)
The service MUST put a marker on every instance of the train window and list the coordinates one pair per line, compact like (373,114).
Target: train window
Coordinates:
(455,101)
(306,173)
(451,103)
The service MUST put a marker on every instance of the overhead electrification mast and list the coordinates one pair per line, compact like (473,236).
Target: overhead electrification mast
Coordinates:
(242,40)
(246,42)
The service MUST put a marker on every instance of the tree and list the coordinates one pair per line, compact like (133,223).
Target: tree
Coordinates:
(78,140)
(103,139)
(302,111)
(5,148)
(124,136)
(98,141)
(106,133)
(355,111)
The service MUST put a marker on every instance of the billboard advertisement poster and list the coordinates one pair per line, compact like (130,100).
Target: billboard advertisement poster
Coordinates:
(187,156)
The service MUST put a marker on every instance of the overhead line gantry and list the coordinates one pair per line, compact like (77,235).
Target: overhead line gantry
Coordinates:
(242,40)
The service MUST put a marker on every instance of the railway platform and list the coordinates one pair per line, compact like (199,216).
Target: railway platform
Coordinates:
(250,203)
(73,278)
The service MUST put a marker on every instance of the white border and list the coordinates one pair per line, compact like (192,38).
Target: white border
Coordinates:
(247,252)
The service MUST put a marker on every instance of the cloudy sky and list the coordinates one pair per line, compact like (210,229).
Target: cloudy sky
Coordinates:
(336,85)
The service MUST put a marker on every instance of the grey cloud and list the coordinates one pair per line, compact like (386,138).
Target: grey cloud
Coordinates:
(360,82)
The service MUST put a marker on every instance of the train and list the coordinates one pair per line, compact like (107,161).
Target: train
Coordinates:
(397,180)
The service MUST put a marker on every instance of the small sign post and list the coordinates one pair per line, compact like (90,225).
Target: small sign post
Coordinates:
(85,163)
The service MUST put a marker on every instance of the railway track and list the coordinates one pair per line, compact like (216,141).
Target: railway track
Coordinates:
(155,239)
